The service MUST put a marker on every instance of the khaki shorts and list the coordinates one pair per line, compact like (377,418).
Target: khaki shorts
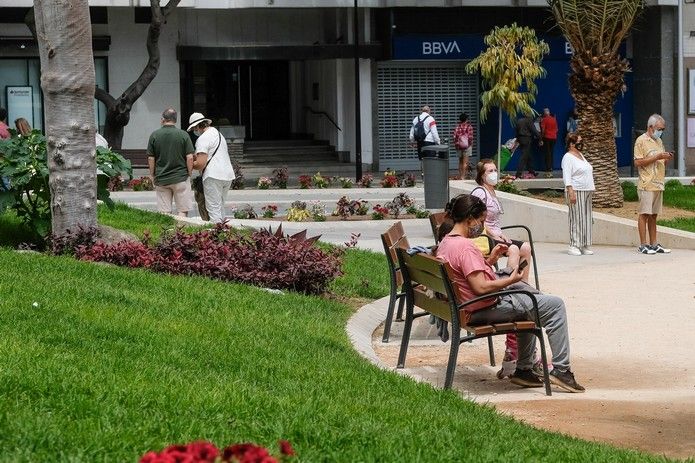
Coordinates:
(650,202)
(181,194)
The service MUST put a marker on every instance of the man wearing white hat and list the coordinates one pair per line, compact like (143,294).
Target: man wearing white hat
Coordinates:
(212,160)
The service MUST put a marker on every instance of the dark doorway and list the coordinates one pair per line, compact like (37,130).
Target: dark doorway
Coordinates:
(254,94)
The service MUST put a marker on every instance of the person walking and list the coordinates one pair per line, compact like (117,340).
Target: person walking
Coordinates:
(424,131)
(549,137)
(525,133)
(578,177)
(463,141)
(212,160)
(170,160)
(651,159)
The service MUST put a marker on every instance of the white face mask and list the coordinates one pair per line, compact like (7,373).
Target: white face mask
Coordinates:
(197,133)
(657,134)
(492,178)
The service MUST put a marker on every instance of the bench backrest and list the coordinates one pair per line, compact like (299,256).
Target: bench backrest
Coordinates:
(436,221)
(428,284)
(392,239)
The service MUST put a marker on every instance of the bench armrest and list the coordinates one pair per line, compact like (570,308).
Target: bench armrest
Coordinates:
(532,296)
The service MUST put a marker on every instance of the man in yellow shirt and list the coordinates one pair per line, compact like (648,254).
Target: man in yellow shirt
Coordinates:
(651,159)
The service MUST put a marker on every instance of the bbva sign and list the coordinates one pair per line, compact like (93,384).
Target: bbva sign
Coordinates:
(440,48)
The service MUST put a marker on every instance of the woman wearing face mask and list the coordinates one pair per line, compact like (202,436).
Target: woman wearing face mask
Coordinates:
(473,276)
(578,176)
(487,177)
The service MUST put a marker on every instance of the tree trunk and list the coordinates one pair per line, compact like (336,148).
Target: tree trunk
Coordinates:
(67,79)
(594,83)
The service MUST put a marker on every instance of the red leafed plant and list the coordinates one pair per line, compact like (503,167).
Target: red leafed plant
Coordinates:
(205,452)
(265,258)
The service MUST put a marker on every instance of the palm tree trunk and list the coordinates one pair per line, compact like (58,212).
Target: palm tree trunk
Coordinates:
(67,79)
(594,84)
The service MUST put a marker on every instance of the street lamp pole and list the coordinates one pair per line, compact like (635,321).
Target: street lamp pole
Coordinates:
(681,95)
(358,111)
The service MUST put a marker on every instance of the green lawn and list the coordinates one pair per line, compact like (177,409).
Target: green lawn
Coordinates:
(112,362)
(680,196)
(679,223)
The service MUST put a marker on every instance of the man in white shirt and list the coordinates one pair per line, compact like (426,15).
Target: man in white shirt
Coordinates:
(211,158)
(430,135)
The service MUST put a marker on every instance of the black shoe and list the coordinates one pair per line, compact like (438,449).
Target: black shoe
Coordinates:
(525,378)
(565,380)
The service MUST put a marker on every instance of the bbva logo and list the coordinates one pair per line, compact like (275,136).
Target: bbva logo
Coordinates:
(440,48)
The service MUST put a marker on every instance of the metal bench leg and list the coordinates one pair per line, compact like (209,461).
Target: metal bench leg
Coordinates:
(389,317)
(401,304)
(453,355)
(492,350)
(406,336)
(546,378)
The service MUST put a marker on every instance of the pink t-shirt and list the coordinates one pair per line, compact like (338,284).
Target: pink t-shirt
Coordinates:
(4,133)
(465,258)
(493,223)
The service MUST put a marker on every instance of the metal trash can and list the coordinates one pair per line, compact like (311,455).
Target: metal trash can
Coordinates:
(435,170)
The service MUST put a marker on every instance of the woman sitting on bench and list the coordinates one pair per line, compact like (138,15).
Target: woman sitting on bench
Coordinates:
(473,276)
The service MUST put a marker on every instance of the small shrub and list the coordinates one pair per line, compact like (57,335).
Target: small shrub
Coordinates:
(115,184)
(246,212)
(629,191)
(205,452)
(141,184)
(238,182)
(347,207)
(269,211)
(363,208)
(507,185)
(264,183)
(422,213)
(389,181)
(345,182)
(400,202)
(320,181)
(295,214)
(68,242)
(552,194)
(305,182)
(673,183)
(264,258)
(379,212)
(280,177)
(406,179)
(366,180)
(353,240)
(412,209)
(317,211)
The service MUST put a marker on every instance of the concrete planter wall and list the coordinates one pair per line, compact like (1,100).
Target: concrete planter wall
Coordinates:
(549,222)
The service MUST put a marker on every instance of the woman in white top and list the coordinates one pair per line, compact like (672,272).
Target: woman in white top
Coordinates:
(578,176)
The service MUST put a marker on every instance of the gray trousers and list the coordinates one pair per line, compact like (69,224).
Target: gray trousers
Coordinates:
(215,194)
(551,310)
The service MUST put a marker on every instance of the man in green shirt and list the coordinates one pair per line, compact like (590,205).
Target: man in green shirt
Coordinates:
(170,158)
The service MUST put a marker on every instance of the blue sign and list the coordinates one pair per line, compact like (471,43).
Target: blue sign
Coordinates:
(461,47)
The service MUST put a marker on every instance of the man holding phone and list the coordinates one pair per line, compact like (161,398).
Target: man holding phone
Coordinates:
(650,159)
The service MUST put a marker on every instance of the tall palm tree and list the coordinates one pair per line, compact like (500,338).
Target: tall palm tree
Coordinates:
(596,29)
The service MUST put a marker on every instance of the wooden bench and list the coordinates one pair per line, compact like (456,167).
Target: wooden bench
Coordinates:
(137,158)
(428,285)
(392,239)
(438,218)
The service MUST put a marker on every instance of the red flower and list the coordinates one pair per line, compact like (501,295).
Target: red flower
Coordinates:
(286,448)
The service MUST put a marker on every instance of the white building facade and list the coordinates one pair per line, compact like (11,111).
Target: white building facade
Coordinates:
(285,68)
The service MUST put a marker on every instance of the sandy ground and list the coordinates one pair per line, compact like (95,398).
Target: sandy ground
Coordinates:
(631,336)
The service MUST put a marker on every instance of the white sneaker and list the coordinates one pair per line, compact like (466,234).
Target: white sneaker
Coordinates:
(574,251)
(587,251)
(659,249)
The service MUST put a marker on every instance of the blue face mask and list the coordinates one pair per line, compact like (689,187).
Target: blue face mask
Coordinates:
(657,134)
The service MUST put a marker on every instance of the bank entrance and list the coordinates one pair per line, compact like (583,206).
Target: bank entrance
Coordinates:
(255,94)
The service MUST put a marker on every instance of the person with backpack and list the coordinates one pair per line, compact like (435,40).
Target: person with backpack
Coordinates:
(463,140)
(424,131)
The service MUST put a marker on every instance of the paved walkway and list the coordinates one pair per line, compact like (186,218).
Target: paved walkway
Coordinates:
(631,318)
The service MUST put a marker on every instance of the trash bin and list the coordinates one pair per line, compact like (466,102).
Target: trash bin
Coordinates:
(435,170)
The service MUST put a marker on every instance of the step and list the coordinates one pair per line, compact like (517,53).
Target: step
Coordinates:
(275,143)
